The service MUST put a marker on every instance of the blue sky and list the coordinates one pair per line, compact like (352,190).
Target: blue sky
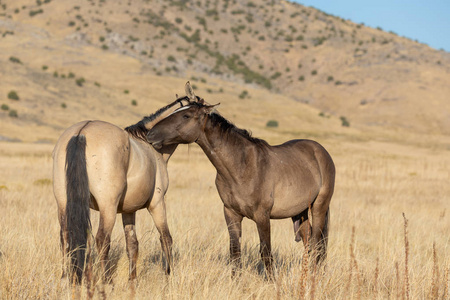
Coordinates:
(427,21)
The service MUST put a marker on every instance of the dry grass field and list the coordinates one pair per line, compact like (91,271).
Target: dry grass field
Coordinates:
(376,183)
(69,61)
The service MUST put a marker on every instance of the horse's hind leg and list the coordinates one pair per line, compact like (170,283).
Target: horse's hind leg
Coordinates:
(319,236)
(129,221)
(158,213)
(103,238)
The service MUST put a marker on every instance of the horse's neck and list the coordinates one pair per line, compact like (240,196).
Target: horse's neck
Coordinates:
(229,155)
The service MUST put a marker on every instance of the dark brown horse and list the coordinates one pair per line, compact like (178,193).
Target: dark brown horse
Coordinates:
(101,166)
(256,180)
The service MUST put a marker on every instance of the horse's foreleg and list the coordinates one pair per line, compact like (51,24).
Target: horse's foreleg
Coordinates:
(234,223)
(103,239)
(158,213)
(129,221)
(263,224)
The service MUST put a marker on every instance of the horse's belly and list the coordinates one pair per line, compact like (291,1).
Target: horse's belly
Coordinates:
(291,204)
(138,193)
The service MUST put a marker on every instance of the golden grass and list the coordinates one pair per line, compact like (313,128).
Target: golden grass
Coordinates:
(376,183)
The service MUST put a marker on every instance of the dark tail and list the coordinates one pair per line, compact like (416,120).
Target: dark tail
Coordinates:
(77,210)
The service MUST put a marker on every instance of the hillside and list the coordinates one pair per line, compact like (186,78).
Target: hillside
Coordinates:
(70,60)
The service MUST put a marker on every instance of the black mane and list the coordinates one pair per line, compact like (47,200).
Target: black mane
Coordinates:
(139,130)
(228,128)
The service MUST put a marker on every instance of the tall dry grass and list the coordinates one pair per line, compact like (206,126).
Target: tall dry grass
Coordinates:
(374,253)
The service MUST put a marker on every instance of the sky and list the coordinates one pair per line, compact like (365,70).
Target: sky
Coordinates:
(427,21)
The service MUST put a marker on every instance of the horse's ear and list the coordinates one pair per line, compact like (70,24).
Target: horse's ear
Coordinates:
(211,108)
(190,92)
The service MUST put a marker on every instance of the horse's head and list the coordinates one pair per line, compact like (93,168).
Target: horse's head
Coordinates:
(183,126)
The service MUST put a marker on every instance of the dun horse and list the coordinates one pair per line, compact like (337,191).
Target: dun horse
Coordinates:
(256,180)
(101,166)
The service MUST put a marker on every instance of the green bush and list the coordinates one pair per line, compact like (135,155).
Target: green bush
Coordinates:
(301,78)
(44,67)
(244,94)
(314,72)
(13,95)
(71,24)
(63,105)
(15,60)
(13,113)
(80,81)
(272,123)
(5,107)
(330,78)
(134,102)
(35,12)
(171,58)
(344,121)
(126,91)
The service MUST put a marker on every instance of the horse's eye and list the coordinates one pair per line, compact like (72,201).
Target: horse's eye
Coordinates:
(186,117)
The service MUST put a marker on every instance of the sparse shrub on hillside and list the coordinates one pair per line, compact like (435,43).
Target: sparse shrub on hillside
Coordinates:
(71,75)
(338,82)
(301,78)
(244,94)
(344,121)
(44,67)
(15,60)
(171,58)
(126,91)
(101,39)
(202,21)
(71,24)
(36,12)
(97,84)
(134,102)
(55,74)
(178,20)
(275,76)
(330,78)
(13,95)
(272,124)
(5,107)
(299,38)
(13,113)
(105,47)
(314,72)
(261,38)
(80,81)
(63,105)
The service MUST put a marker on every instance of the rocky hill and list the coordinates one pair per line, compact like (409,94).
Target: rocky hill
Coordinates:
(56,52)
